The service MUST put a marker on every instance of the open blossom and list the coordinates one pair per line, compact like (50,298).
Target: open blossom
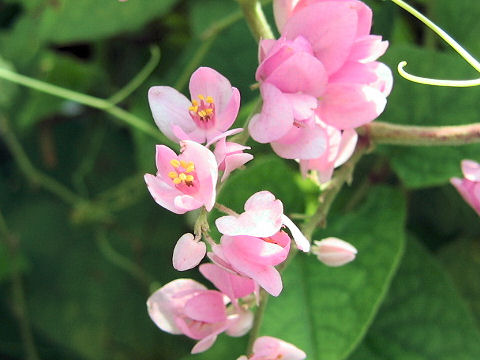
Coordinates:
(184,306)
(184,182)
(253,242)
(270,348)
(469,187)
(211,110)
(321,69)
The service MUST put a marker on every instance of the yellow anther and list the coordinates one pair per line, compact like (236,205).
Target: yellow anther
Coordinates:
(209,100)
(177,181)
(172,174)
(194,102)
(182,177)
(193,108)
(209,111)
(202,113)
(201,97)
(189,178)
(190,168)
(175,163)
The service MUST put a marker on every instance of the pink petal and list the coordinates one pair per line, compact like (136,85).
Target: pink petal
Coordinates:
(270,347)
(223,136)
(301,143)
(163,157)
(331,29)
(206,170)
(471,170)
(204,344)
(262,217)
(347,146)
(207,306)
(188,253)
(233,162)
(226,117)
(276,117)
(282,9)
(163,194)
(368,48)
(162,304)
(208,82)
(347,106)
(232,285)
(301,72)
(184,203)
(240,323)
(300,239)
(303,105)
(169,107)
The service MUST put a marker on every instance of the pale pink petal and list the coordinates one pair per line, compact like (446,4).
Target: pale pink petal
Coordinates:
(301,72)
(208,82)
(347,106)
(276,117)
(330,27)
(233,162)
(347,146)
(300,239)
(303,105)
(184,203)
(226,117)
(206,306)
(368,48)
(169,107)
(282,10)
(471,170)
(256,250)
(302,142)
(264,47)
(232,285)
(240,323)
(163,194)
(469,190)
(162,304)
(163,157)
(206,170)
(204,344)
(334,252)
(270,347)
(223,136)
(188,253)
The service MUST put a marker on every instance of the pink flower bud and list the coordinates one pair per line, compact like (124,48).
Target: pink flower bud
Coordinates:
(469,187)
(188,253)
(334,252)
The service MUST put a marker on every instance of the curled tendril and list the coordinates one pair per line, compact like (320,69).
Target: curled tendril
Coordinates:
(450,41)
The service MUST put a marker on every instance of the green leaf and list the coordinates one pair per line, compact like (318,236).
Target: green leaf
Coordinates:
(423,316)
(462,260)
(326,311)
(415,104)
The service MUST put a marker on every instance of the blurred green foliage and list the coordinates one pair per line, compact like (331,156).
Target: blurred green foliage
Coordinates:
(89,264)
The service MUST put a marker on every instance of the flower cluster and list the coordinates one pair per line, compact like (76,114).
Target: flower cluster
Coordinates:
(319,81)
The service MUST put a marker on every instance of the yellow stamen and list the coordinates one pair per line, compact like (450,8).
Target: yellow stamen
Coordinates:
(177,181)
(201,97)
(209,111)
(209,100)
(182,177)
(189,178)
(172,174)
(194,102)
(183,163)
(175,163)
(190,168)
(193,108)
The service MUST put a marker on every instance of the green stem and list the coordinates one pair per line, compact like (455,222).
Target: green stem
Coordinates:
(18,294)
(30,172)
(386,133)
(139,79)
(122,261)
(450,41)
(257,322)
(258,24)
(87,100)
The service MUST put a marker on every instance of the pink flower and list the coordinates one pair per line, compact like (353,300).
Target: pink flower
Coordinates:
(211,111)
(230,156)
(469,187)
(321,70)
(334,252)
(340,146)
(188,252)
(263,217)
(270,348)
(184,182)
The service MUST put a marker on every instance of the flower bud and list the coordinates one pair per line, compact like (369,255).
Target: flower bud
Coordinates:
(334,252)
(188,253)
